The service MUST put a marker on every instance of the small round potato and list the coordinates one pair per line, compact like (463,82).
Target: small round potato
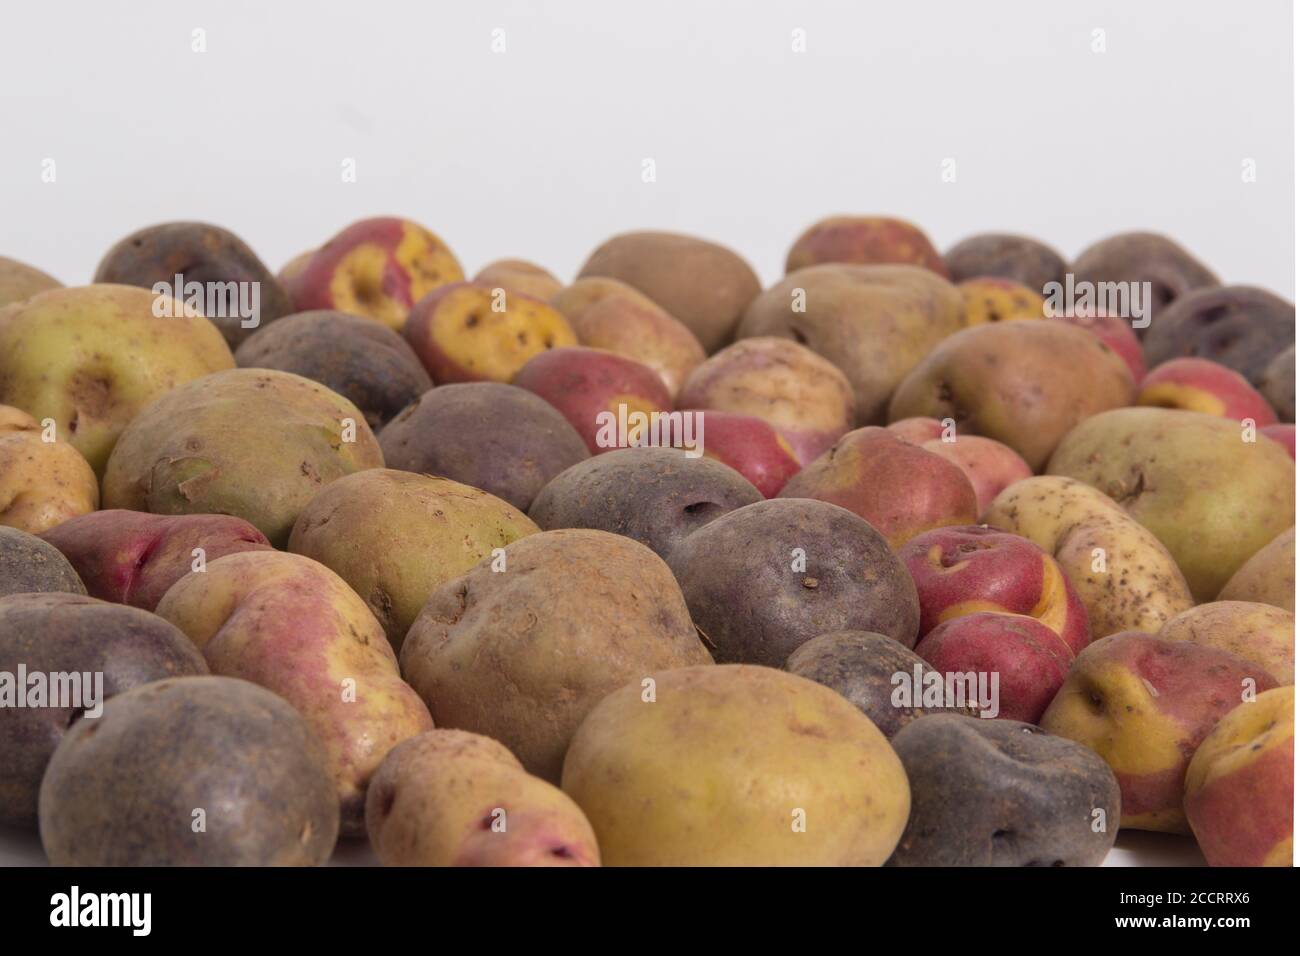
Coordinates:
(42,483)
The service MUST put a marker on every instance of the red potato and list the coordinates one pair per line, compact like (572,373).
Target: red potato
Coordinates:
(864,240)
(751,446)
(918,430)
(961,571)
(1117,333)
(130,557)
(1030,661)
(989,465)
(610,400)
(1199,385)
(1284,435)
(897,487)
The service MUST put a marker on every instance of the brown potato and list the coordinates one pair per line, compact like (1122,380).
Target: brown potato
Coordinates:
(1018,258)
(864,240)
(517,275)
(1260,633)
(20,281)
(1268,576)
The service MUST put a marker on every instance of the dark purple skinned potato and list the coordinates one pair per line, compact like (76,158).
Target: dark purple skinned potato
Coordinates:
(28,564)
(1144,257)
(1018,258)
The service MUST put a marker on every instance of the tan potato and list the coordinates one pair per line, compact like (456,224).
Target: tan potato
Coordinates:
(517,275)
(42,484)
(1256,632)
(522,654)
(873,322)
(20,281)
(395,536)
(1268,576)
(451,798)
(736,765)
(295,627)
(93,357)
(1125,577)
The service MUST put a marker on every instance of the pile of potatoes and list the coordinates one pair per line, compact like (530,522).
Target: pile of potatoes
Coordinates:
(894,562)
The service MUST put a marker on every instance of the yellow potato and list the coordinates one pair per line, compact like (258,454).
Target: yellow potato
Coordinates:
(1258,632)
(1268,576)
(42,483)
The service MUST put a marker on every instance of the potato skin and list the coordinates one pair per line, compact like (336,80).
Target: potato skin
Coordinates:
(1018,258)
(293,626)
(28,564)
(199,252)
(367,363)
(500,438)
(864,240)
(579,610)
(703,285)
(656,496)
(452,798)
(1268,576)
(394,537)
(519,275)
(739,576)
(1002,793)
(254,443)
(1260,633)
(861,666)
(64,633)
(1144,257)
(1242,327)
(42,483)
(1141,587)
(1277,384)
(20,281)
(122,790)
(726,763)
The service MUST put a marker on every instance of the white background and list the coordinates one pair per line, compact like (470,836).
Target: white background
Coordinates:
(537,152)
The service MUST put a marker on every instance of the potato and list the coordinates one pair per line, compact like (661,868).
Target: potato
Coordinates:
(874,673)
(451,798)
(522,654)
(1268,576)
(1211,498)
(206,254)
(1025,385)
(1126,578)
(611,315)
(131,788)
(500,438)
(988,465)
(874,322)
(1242,327)
(749,445)
(864,240)
(1114,331)
(1003,793)
(294,627)
(1259,633)
(1278,384)
(1239,791)
(20,281)
(1018,258)
(735,766)
(765,578)
(395,537)
(82,651)
(41,483)
(470,332)
(653,495)
(1143,257)
(803,395)
(1144,704)
(92,357)
(377,268)
(130,557)
(1199,385)
(899,488)
(988,299)
(368,364)
(703,285)
(517,275)
(253,443)
(28,564)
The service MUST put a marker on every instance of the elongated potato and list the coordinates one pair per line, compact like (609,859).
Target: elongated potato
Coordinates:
(1125,577)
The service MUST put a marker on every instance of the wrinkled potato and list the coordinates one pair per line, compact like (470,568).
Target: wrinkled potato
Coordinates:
(112,649)
(1023,384)
(1268,576)
(522,654)
(653,495)
(294,627)
(93,357)
(1260,633)
(518,275)
(129,788)
(500,438)
(451,798)
(735,766)
(874,322)
(365,362)
(28,564)
(804,396)
(20,281)
(864,240)
(703,285)
(395,536)
(1143,257)
(765,578)
(611,315)
(1211,498)
(1125,577)
(41,483)
(253,443)
(1018,258)
(1242,327)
